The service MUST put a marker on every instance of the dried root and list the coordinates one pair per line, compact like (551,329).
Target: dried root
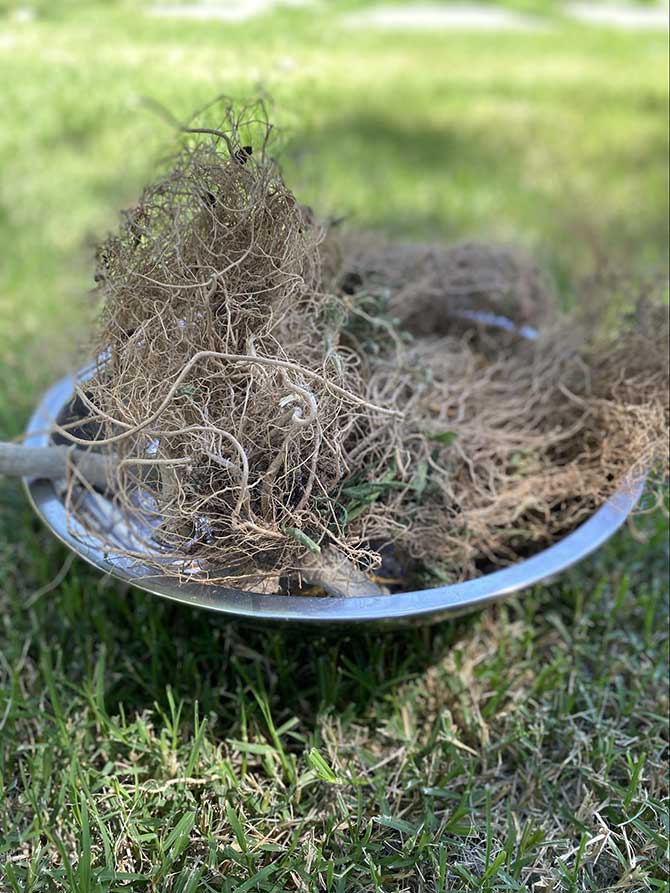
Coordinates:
(429,283)
(293,391)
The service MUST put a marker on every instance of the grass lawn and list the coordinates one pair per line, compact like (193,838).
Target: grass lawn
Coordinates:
(147,747)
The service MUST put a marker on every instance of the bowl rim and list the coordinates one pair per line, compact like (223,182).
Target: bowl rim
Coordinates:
(424,605)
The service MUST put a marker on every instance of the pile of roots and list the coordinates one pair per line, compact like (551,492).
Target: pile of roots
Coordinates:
(271,390)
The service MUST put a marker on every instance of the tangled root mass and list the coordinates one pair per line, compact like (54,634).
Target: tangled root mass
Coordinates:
(270,388)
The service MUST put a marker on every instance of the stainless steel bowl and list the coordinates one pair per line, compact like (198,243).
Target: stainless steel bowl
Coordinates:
(424,606)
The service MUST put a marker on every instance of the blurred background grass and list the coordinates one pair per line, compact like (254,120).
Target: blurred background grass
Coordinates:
(555,139)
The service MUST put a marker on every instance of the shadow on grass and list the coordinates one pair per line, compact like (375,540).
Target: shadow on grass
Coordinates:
(90,640)
(398,171)
(148,645)
(153,645)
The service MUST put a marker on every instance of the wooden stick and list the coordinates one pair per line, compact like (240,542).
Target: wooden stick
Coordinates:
(52,463)
(332,571)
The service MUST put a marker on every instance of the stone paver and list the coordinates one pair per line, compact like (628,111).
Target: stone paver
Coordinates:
(628,18)
(219,10)
(430,17)
(447,17)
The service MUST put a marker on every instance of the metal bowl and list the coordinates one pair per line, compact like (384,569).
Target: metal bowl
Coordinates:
(420,607)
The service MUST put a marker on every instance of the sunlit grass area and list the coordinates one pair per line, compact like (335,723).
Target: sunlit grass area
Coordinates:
(147,747)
